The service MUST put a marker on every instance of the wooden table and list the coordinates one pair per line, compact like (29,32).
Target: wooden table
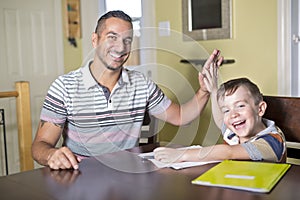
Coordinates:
(124,175)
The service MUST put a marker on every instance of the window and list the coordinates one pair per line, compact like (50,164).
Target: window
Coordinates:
(131,7)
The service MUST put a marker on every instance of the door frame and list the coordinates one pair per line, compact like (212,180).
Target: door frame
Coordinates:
(288,60)
(284,47)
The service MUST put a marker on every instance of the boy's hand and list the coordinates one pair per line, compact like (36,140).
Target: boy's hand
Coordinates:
(208,78)
(168,155)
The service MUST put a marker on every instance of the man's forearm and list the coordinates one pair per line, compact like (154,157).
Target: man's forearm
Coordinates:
(192,109)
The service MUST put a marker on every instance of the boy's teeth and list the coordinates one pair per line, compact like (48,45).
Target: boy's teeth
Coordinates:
(237,123)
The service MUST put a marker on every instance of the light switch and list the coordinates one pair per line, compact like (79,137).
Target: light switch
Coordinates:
(164,28)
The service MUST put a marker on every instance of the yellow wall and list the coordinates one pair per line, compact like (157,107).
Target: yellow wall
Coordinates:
(253,46)
(72,55)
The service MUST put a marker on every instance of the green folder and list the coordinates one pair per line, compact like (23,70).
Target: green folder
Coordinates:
(243,175)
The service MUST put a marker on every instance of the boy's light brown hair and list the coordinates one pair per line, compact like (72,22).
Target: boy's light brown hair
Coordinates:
(229,87)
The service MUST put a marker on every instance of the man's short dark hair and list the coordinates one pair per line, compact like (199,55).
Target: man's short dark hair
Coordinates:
(115,13)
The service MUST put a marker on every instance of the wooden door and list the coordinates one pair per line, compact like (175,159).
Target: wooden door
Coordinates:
(31,50)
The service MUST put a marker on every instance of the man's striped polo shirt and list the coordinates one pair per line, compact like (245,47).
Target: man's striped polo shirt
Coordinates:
(94,124)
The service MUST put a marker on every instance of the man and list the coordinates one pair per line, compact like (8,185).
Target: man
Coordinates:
(99,108)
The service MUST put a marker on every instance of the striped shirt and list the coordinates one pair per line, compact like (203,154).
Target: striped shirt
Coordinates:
(267,145)
(95,124)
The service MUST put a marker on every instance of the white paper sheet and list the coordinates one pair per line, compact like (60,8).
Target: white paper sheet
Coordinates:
(180,165)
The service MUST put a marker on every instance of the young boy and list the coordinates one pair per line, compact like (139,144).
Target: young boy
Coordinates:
(239,116)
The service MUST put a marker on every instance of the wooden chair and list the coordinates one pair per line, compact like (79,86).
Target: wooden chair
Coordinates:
(22,95)
(285,111)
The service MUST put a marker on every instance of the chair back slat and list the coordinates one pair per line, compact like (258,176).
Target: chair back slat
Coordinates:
(285,111)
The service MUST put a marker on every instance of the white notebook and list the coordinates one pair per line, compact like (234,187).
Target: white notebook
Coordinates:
(180,165)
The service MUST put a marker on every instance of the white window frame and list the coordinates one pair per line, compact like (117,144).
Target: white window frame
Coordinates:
(284,47)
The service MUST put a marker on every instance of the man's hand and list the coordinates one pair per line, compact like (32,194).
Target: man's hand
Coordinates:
(62,158)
